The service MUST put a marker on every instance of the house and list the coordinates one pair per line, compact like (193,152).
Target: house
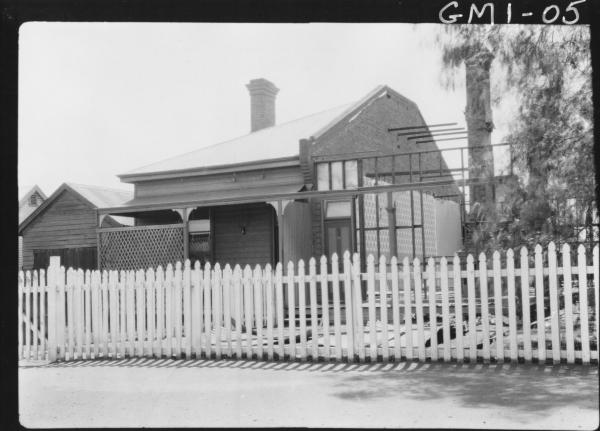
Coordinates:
(333,181)
(65,225)
(27,204)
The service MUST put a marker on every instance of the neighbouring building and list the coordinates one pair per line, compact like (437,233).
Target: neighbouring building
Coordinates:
(27,204)
(333,181)
(65,225)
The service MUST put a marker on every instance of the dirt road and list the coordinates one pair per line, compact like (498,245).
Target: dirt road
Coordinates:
(178,393)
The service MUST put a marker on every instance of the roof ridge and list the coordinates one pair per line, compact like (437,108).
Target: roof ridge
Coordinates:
(97,187)
(242,136)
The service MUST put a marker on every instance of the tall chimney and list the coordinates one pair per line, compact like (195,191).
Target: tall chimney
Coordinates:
(478,115)
(262,103)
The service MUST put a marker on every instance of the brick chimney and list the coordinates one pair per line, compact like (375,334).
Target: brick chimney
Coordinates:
(478,115)
(262,103)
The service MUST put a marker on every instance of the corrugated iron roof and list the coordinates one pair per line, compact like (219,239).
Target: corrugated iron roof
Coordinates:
(206,198)
(272,143)
(102,197)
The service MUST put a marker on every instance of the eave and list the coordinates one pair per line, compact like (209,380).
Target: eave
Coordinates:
(211,170)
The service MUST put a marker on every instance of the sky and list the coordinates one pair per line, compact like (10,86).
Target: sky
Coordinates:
(101,99)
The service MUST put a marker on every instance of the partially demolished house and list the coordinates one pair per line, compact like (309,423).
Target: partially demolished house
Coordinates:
(333,181)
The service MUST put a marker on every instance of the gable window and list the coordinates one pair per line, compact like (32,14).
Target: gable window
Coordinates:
(33,200)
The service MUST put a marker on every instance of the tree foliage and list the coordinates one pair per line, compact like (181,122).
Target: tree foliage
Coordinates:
(548,68)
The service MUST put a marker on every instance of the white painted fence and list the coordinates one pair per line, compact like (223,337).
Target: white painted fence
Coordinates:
(225,312)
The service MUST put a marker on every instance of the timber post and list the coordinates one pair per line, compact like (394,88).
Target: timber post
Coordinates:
(52,286)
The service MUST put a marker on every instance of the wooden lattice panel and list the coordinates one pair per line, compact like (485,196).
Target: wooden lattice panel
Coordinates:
(140,247)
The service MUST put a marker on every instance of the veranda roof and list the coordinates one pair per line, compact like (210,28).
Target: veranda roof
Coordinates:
(204,198)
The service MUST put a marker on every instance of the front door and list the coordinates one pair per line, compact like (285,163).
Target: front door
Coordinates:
(338,238)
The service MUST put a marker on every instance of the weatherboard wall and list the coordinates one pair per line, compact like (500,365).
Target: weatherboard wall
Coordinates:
(66,223)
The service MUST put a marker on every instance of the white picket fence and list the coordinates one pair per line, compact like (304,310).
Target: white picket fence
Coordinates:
(392,312)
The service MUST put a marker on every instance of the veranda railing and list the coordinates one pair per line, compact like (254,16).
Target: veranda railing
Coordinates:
(533,309)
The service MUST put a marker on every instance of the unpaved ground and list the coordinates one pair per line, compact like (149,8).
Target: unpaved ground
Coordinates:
(180,393)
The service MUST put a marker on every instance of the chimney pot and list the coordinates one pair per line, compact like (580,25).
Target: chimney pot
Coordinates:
(262,103)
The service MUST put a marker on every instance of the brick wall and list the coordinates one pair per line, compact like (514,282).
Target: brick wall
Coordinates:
(367,130)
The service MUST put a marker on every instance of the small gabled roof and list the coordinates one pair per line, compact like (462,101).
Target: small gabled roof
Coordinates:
(96,197)
(277,143)
(24,208)
(25,197)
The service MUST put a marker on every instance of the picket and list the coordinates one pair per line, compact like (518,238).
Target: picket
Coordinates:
(112,311)
(100,314)
(407,310)
(177,309)
(471,309)
(291,310)
(325,307)
(396,309)
(358,328)
(258,311)
(526,319)
(34,299)
(351,349)
(280,317)
(539,303)
(458,308)
(419,309)
(312,270)
(71,274)
(227,274)
(552,281)
(302,308)
(445,309)
(42,292)
(122,310)
(568,295)
(485,315)
(372,311)
(248,287)
(383,307)
(79,313)
(197,317)
(207,310)
(20,314)
(28,337)
(131,313)
(217,307)
(433,354)
(583,305)
(60,313)
(512,308)
(187,309)
(160,310)
(151,311)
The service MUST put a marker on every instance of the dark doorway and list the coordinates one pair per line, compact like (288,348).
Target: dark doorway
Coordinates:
(338,238)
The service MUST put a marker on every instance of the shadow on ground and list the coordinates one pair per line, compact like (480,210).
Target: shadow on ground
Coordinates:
(525,388)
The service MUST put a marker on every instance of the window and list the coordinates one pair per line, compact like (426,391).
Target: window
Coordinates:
(199,241)
(337,209)
(33,200)
(199,248)
(323,176)
(337,175)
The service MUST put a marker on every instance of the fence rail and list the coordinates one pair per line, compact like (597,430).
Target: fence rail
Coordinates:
(533,307)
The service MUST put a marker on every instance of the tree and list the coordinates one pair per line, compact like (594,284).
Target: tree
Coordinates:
(548,68)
